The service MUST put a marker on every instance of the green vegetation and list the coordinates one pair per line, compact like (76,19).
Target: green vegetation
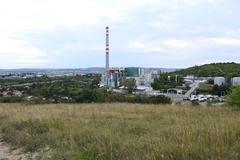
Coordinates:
(111,97)
(213,70)
(130,84)
(73,89)
(122,131)
(166,81)
(234,98)
(222,90)
(17,81)
(205,88)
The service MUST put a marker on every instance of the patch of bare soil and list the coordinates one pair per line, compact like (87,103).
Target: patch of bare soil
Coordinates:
(6,153)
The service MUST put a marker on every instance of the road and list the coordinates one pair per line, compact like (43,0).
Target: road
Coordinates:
(175,97)
(195,85)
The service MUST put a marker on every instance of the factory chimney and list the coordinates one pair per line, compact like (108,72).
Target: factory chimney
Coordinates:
(107,50)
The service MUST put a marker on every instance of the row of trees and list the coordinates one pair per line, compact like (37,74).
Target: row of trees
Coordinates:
(166,81)
(92,96)
(102,95)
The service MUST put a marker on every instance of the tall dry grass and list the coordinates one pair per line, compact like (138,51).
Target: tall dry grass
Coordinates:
(122,131)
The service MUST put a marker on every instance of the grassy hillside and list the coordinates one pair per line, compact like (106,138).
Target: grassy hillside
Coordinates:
(214,69)
(123,131)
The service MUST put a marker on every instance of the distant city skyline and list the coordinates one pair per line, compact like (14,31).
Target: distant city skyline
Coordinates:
(147,33)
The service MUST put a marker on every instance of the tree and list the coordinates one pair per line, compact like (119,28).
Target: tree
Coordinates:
(210,81)
(233,99)
(166,81)
(130,84)
(220,90)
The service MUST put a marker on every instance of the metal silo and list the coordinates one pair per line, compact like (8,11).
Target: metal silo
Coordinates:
(219,81)
(236,81)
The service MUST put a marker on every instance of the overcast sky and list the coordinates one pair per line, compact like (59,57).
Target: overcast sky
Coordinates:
(148,33)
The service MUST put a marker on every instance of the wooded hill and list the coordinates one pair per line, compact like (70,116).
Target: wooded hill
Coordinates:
(213,70)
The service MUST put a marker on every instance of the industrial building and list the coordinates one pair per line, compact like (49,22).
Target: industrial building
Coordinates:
(137,74)
(236,81)
(219,81)
(134,72)
(114,77)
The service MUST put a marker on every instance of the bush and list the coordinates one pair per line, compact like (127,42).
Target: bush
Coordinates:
(149,99)
(234,98)
(13,99)
(111,97)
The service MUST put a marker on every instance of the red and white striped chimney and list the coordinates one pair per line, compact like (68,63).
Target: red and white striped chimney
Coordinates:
(107,49)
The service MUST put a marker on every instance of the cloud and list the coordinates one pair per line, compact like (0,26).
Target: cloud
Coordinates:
(163,46)
(82,47)
(223,41)
(20,17)
(44,14)
(187,43)
(174,28)
(189,51)
(144,47)
(232,32)
(177,43)
(49,14)
(14,51)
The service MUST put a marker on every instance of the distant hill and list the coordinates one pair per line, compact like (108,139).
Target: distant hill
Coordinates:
(71,70)
(213,70)
(51,70)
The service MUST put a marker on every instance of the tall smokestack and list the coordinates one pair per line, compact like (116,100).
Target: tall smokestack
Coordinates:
(107,49)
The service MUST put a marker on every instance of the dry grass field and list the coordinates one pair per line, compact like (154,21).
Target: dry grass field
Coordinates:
(122,131)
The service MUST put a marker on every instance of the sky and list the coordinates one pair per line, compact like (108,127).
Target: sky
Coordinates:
(146,33)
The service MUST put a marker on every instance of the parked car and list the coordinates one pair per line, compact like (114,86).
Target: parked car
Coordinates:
(202,99)
(193,98)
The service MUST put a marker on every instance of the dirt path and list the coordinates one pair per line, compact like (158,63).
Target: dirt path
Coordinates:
(7,154)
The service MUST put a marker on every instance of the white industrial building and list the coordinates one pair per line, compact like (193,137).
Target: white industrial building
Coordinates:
(236,81)
(219,81)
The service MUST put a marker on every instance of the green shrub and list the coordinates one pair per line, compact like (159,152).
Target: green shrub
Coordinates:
(13,99)
(233,99)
